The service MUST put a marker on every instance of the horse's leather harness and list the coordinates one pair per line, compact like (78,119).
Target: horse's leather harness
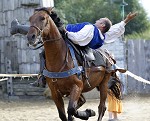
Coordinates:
(76,70)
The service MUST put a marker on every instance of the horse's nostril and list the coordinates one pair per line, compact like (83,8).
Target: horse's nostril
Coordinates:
(33,36)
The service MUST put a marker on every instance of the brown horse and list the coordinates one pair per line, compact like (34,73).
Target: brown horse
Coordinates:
(59,59)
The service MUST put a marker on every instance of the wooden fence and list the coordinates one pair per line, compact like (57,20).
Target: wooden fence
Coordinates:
(18,85)
(138,62)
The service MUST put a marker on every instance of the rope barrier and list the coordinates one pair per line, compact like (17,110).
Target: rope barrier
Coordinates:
(4,79)
(18,75)
(136,77)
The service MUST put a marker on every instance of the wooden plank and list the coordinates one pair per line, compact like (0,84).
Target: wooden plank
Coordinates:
(27,88)
(28,93)
(9,87)
(34,93)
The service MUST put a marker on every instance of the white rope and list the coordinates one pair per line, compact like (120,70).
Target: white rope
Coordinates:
(18,75)
(3,79)
(137,77)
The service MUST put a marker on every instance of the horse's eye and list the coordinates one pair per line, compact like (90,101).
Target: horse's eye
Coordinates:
(42,18)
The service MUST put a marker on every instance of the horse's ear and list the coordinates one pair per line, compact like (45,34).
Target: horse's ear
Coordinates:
(35,10)
(50,9)
(47,9)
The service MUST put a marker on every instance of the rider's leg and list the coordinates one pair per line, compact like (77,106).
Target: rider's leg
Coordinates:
(16,27)
(41,81)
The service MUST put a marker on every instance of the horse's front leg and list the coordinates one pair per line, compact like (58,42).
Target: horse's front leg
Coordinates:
(103,95)
(74,96)
(58,102)
(81,101)
(76,101)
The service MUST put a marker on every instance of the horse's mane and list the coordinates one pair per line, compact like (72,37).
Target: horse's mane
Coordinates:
(58,22)
(56,19)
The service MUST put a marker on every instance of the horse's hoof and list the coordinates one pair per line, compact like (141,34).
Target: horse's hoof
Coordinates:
(90,112)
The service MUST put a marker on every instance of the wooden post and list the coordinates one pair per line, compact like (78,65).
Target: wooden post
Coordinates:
(9,81)
(9,87)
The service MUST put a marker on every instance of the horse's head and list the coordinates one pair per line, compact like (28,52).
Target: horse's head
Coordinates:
(39,24)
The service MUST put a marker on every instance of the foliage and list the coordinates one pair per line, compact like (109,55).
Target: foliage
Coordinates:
(80,10)
(75,11)
(140,23)
(143,35)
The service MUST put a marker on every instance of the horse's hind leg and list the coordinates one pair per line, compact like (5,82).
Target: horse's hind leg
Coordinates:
(58,102)
(103,95)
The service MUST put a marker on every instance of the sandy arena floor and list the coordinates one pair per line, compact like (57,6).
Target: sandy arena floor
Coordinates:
(135,108)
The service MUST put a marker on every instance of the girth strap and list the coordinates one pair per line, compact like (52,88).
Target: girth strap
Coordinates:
(76,70)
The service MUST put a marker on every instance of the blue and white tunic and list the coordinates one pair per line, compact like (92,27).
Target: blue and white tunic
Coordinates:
(94,37)
(88,34)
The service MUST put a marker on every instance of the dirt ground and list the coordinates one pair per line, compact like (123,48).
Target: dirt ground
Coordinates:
(135,108)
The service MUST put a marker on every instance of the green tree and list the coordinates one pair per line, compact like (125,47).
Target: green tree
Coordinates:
(141,22)
(75,11)
(85,10)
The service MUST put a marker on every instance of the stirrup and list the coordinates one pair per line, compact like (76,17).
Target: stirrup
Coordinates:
(39,82)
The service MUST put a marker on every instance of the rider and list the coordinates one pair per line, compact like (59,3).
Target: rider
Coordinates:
(93,35)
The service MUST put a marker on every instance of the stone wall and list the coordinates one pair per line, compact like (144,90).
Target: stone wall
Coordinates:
(14,49)
(15,55)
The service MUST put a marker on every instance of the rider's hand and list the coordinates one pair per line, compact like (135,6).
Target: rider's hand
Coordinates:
(129,17)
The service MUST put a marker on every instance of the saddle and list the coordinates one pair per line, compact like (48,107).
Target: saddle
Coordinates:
(89,57)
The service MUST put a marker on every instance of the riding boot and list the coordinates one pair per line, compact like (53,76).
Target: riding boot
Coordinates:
(41,81)
(16,27)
